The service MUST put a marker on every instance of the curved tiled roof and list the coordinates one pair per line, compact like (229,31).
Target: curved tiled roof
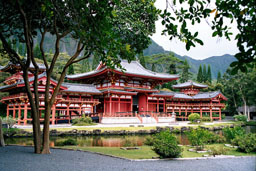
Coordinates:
(133,68)
(200,95)
(83,88)
(10,64)
(190,84)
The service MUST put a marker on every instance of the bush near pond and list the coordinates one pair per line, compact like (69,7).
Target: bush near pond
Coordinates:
(83,121)
(199,137)
(246,143)
(193,117)
(69,141)
(242,118)
(231,133)
(166,145)
(9,121)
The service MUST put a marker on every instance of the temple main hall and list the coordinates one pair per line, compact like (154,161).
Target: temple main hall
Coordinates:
(113,96)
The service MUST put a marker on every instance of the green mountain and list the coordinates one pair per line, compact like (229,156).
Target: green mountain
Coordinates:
(218,63)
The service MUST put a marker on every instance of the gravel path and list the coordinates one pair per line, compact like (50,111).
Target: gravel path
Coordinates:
(15,158)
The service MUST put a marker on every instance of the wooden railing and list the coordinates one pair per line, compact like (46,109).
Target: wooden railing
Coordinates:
(24,96)
(196,104)
(80,100)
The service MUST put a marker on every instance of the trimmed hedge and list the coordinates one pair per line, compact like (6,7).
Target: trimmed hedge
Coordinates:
(165,145)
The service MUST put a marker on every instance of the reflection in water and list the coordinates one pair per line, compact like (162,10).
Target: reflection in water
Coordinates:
(108,141)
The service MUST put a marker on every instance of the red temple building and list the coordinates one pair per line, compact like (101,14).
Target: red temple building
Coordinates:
(113,96)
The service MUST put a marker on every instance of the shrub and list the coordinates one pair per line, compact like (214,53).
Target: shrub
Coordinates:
(231,133)
(199,137)
(242,118)
(166,145)
(218,150)
(67,142)
(215,138)
(193,117)
(246,143)
(83,121)
(9,121)
(206,119)
(149,141)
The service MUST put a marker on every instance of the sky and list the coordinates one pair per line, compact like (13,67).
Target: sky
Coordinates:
(213,46)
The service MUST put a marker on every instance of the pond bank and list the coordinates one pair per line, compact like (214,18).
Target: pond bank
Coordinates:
(130,130)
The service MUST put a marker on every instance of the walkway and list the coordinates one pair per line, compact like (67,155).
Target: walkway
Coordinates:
(14,158)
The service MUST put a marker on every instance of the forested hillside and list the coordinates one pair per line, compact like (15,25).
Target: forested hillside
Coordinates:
(218,63)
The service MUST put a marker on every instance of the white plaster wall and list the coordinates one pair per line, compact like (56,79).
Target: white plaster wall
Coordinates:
(166,119)
(120,120)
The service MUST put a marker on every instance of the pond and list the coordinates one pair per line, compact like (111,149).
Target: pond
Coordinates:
(109,140)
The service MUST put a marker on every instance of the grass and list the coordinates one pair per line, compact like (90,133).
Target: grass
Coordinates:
(251,123)
(145,152)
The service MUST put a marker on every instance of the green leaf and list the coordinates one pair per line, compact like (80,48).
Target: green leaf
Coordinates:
(214,33)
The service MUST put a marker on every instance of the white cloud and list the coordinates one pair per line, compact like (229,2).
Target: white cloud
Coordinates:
(212,46)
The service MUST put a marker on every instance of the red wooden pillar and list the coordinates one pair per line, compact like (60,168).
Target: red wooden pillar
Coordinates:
(104,107)
(186,111)
(68,114)
(131,104)
(119,103)
(211,113)
(164,105)
(53,114)
(147,104)
(220,114)
(25,113)
(14,112)
(157,105)
(80,109)
(201,112)
(110,105)
(19,114)
(7,111)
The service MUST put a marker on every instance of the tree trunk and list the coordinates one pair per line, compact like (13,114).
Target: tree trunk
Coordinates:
(46,132)
(1,134)
(34,114)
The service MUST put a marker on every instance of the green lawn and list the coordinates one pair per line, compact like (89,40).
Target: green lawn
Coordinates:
(145,152)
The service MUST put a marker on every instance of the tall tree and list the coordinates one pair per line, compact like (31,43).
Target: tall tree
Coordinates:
(21,50)
(153,68)
(71,70)
(37,52)
(200,74)
(185,72)
(86,65)
(204,74)
(219,77)
(108,28)
(96,61)
(180,15)
(209,74)
(142,60)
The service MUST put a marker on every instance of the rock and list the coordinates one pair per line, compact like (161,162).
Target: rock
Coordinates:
(206,155)
(183,129)
(131,125)
(74,131)
(191,150)
(152,131)
(201,151)
(140,125)
(96,131)
(130,148)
